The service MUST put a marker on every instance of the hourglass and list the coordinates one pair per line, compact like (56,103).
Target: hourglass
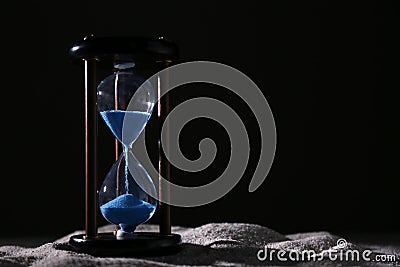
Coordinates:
(125,197)
(122,197)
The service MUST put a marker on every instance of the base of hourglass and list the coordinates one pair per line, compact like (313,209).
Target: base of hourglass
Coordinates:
(140,244)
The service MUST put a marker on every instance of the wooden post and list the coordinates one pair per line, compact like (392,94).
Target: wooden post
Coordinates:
(164,165)
(90,149)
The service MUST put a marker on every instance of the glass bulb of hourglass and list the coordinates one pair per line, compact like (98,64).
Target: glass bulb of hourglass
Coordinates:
(122,197)
(114,94)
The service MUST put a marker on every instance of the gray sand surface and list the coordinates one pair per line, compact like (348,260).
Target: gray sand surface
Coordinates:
(214,244)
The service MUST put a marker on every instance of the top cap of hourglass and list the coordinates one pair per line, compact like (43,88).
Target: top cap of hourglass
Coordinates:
(138,49)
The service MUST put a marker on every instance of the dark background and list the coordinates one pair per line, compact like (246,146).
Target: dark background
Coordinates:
(328,69)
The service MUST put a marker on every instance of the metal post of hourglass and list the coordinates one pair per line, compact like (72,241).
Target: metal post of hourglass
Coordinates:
(94,50)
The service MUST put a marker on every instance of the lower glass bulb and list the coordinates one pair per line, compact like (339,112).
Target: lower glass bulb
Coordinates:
(122,199)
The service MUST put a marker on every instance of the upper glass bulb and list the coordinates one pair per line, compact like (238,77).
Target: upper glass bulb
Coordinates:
(115,93)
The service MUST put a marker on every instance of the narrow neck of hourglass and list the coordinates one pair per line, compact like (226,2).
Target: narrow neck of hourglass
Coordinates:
(126,148)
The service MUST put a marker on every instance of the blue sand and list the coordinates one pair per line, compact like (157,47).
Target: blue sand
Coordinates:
(127,211)
(135,121)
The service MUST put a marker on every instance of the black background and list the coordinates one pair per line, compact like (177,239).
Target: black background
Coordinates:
(328,69)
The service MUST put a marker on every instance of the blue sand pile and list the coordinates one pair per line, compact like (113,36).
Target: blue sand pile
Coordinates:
(135,122)
(127,211)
